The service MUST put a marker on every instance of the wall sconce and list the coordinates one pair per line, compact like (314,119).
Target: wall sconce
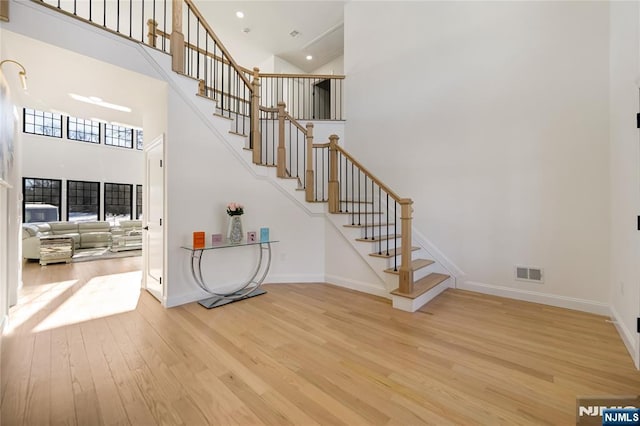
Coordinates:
(22,74)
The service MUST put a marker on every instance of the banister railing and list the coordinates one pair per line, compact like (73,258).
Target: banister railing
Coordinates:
(370,203)
(124,17)
(308,97)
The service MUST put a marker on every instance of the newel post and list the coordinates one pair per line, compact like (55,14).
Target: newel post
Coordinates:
(282,152)
(308,190)
(256,136)
(405,284)
(334,193)
(152,34)
(177,38)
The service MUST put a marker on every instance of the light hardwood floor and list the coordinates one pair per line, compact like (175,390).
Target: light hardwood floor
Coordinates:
(86,347)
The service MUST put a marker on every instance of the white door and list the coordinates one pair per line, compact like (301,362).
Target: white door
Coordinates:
(153,217)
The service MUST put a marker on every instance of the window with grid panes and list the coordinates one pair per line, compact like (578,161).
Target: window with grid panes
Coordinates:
(118,202)
(139,140)
(83,201)
(37,196)
(115,135)
(42,123)
(83,130)
(138,201)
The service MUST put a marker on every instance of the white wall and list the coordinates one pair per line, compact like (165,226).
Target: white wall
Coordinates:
(60,158)
(204,175)
(625,169)
(493,117)
(334,67)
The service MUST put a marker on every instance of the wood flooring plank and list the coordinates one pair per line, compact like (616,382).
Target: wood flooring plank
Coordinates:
(302,354)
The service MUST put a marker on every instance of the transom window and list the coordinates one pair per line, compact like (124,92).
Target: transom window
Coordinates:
(83,201)
(115,135)
(139,140)
(41,199)
(118,202)
(83,130)
(42,123)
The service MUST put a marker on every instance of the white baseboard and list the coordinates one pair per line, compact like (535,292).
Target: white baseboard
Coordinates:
(197,294)
(358,286)
(535,297)
(294,278)
(627,337)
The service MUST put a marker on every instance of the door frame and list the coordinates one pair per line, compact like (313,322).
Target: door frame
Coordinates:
(157,141)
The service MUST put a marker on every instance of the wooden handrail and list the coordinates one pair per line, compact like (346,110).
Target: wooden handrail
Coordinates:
(371,176)
(326,76)
(268,109)
(213,35)
(321,145)
(295,123)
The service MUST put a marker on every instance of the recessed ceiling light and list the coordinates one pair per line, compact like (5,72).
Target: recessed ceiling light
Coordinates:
(240,14)
(294,33)
(309,57)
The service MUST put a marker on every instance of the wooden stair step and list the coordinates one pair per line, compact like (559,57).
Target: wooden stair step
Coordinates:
(238,134)
(378,238)
(392,252)
(423,285)
(416,264)
(368,225)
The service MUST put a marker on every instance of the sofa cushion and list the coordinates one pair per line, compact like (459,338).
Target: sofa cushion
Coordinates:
(60,228)
(29,230)
(95,239)
(130,225)
(84,227)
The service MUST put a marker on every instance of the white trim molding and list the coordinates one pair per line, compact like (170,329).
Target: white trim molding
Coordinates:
(536,297)
(627,337)
(362,286)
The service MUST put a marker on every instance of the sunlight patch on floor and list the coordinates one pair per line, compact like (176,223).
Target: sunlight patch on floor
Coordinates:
(99,297)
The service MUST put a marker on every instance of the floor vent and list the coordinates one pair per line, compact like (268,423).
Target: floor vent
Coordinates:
(527,273)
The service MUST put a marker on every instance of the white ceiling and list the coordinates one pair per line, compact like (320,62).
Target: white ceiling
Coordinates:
(319,23)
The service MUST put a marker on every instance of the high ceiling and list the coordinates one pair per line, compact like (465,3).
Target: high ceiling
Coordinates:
(319,25)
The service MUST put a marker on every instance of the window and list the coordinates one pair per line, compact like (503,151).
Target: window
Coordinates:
(83,130)
(83,201)
(118,136)
(42,123)
(138,201)
(41,200)
(117,202)
(139,140)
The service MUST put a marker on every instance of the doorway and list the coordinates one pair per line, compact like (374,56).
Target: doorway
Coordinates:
(154,213)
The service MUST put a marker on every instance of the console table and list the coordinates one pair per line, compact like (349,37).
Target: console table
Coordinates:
(248,289)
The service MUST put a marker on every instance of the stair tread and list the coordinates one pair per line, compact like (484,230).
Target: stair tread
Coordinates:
(379,238)
(238,134)
(392,252)
(416,264)
(368,225)
(422,285)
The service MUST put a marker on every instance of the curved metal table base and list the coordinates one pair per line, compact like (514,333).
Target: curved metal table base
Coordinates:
(249,288)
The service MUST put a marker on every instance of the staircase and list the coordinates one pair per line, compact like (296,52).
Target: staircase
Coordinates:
(372,218)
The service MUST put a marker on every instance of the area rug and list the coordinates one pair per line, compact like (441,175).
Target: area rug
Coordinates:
(100,253)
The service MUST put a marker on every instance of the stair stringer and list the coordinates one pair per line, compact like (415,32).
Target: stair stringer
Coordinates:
(186,87)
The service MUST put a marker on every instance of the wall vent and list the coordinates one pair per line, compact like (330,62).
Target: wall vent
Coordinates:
(528,273)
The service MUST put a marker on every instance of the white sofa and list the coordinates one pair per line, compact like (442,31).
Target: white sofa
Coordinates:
(84,234)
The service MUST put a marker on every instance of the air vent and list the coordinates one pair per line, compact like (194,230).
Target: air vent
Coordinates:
(527,273)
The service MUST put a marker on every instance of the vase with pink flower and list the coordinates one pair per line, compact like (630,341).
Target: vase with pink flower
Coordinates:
(235,212)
